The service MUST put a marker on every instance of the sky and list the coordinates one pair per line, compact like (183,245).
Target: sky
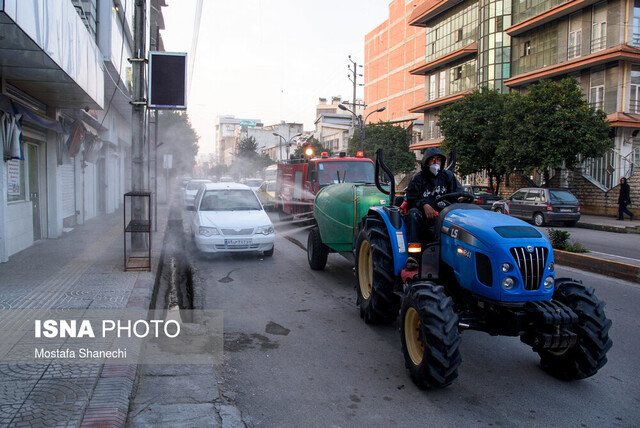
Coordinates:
(268,60)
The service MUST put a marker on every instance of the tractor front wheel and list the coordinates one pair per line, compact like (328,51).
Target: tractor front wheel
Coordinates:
(430,336)
(317,252)
(375,278)
(590,352)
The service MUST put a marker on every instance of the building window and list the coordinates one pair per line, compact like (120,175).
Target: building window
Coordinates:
(457,73)
(636,23)
(596,93)
(634,99)
(574,45)
(432,87)
(499,23)
(527,48)
(442,87)
(459,35)
(599,27)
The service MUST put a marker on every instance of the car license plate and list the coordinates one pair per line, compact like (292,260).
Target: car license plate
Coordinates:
(565,210)
(237,242)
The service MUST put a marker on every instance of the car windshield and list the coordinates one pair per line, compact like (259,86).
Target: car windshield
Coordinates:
(480,191)
(230,200)
(345,171)
(562,196)
(271,187)
(195,184)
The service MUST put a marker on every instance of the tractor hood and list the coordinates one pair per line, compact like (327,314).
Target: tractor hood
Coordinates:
(491,228)
(497,256)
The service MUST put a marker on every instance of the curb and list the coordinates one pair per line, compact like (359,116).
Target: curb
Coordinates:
(610,268)
(607,228)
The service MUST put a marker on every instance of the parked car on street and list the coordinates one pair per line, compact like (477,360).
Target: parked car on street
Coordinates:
(254,183)
(484,196)
(228,217)
(192,188)
(267,194)
(541,205)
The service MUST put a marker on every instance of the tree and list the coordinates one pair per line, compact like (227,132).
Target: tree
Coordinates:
(473,128)
(178,139)
(247,148)
(247,161)
(395,141)
(551,126)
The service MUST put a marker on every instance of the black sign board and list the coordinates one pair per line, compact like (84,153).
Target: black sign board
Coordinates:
(168,80)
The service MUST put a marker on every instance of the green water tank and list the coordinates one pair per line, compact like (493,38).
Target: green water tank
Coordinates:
(339,208)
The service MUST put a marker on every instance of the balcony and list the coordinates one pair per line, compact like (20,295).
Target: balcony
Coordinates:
(439,102)
(469,50)
(48,53)
(617,53)
(552,14)
(429,10)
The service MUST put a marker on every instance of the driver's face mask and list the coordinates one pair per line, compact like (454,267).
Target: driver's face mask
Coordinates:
(434,169)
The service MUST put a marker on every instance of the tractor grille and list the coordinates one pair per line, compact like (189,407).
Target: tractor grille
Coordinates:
(531,265)
(232,232)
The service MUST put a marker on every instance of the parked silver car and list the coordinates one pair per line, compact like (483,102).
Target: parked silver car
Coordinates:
(541,205)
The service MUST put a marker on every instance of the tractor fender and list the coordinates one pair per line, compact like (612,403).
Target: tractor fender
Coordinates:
(397,234)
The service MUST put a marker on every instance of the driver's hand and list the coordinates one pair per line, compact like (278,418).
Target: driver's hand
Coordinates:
(429,212)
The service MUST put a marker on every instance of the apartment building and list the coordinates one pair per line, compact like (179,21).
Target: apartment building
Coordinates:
(508,46)
(391,50)
(65,110)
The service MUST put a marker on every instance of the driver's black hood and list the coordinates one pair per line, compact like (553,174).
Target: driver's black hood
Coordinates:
(431,152)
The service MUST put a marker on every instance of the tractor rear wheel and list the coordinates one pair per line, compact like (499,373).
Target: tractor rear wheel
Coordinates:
(430,336)
(317,252)
(375,278)
(590,352)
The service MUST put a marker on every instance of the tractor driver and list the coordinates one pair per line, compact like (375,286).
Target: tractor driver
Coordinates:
(424,188)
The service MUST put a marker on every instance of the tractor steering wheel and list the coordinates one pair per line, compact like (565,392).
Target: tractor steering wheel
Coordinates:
(447,199)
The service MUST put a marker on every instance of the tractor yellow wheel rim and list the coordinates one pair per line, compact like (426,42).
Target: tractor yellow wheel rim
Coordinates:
(415,347)
(365,270)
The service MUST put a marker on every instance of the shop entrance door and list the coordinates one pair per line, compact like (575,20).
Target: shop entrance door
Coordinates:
(34,188)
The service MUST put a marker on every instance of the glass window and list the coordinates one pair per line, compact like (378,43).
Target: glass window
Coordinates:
(599,27)
(442,87)
(432,87)
(519,195)
(634,100)
(596,93)
(574,45)
(636,23)
(526,51)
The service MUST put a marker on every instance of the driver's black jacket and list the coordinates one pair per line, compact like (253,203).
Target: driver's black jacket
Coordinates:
(424,187)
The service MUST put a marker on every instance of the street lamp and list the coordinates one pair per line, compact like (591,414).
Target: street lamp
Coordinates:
(361,123)
(287,143)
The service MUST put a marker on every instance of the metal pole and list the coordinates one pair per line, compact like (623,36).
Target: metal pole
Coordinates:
(138,62)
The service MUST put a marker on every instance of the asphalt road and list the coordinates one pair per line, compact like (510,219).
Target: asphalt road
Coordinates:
(624,246)
(297,353)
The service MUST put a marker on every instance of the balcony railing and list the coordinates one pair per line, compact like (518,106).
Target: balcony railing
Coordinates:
(573,51)
(598,44)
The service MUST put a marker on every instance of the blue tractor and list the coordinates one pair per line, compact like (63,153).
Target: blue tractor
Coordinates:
(485,271)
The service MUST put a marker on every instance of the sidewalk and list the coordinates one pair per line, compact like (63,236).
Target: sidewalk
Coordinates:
(602,264)
(83,269)
(609,224)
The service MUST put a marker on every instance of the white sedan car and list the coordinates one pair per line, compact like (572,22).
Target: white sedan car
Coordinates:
(228,217)
(191,189)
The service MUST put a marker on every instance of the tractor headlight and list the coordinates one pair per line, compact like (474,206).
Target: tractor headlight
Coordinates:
(508,283)
(207,231)
(548,282)
(506,267)
(551,267)
(265,230)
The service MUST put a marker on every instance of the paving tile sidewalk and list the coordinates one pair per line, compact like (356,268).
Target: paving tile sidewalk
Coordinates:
(83,269)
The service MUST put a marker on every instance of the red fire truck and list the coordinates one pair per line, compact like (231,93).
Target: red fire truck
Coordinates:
(298,180)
